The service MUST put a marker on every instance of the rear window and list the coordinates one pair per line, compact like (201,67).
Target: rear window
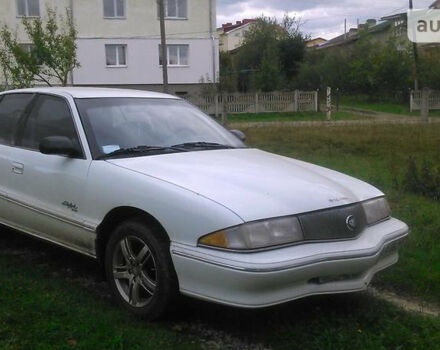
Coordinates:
(12,107)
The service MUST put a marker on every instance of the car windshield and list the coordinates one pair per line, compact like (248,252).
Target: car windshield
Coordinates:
(138,126)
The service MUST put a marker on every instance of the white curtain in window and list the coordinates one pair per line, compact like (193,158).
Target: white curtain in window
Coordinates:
(183,55)
(181,8)
(110,53)
(121,55)
(21,7)
(109,8)
(173,58)
(114,8)
(120,8)
(33,7)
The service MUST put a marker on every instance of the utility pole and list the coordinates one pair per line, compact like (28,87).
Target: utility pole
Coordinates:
(211,33)
(72,20)
(416,57)
(345,29)
(163,38)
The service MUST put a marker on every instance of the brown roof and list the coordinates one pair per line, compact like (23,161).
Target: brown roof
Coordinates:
(435,5)
(227,27)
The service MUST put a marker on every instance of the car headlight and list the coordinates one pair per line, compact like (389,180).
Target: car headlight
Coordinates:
(256,235)
(376,210)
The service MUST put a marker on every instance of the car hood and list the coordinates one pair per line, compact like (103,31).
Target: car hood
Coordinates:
(252,183)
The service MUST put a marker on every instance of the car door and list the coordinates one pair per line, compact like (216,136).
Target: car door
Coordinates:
(47,190)
(12,108)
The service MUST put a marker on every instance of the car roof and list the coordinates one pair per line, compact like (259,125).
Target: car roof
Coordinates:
(90,92)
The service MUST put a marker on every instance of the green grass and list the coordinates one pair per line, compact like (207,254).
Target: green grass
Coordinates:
(384,107)
(42,309)
(290,117)
(378,155)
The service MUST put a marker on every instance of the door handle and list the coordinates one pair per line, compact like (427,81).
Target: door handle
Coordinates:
(17,168)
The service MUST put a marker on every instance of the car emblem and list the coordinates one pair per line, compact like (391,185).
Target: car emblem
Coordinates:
(351,223)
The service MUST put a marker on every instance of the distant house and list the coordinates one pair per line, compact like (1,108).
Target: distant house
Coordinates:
(313,43)
(435,5)
(231,36)
(388,26)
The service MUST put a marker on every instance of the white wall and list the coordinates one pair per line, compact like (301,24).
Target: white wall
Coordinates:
(141,20)
(142,62)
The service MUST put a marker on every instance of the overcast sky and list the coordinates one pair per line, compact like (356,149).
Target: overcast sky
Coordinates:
(323,18)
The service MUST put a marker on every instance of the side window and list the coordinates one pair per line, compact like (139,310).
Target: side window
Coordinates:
(50,117)
(12,107)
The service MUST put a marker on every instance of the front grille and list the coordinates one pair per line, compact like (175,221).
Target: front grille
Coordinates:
(332,223)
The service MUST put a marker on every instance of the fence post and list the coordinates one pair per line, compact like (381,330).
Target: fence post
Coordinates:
(296,106)
(411,101)
(337,100)
(217,112)
(425,104)
(316,101)
(256,103)
(317,97)
(329,103)
(225,110)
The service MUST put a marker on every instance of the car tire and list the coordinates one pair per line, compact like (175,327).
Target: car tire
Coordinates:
(140,271)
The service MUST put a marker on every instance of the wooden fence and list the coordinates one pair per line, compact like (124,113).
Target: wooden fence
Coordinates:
(416,100)
(237,103)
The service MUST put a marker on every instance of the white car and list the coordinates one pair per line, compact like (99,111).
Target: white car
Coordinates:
(167,200)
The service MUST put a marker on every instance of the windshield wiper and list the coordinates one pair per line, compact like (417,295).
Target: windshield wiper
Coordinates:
(204,145)
(140,150)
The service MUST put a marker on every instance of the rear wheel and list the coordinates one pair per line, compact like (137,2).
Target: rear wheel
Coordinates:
(139,269)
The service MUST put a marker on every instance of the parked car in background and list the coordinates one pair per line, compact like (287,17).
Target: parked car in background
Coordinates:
(169,201)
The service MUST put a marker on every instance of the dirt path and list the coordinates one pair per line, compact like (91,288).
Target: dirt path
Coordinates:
(405,303)
(375,121)
(375,114)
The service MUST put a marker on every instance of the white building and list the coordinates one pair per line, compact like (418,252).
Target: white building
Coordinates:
(119,40)
(232,35)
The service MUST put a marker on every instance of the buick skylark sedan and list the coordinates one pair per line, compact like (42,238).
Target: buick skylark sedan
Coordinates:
(169,201)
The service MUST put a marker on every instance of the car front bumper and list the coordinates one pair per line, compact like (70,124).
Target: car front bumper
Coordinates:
(266,278)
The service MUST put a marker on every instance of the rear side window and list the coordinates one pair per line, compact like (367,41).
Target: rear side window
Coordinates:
(50,117)
(12,107)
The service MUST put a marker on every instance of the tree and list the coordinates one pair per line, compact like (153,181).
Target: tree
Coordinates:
(429,69)
(51,56)
(270,54)
(269,75)
(227,77)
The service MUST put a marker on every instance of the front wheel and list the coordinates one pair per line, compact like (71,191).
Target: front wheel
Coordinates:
(139,269)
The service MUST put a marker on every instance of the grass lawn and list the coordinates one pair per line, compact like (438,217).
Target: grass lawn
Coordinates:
(290,117)
(50,301)
(385,107)
(379,155)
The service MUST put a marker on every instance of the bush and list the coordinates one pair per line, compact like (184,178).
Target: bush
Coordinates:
(424,180)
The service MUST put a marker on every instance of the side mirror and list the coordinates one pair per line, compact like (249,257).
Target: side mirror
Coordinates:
(58,145)
(239,134)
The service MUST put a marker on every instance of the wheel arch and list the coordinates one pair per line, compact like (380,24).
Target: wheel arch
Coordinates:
(117,216)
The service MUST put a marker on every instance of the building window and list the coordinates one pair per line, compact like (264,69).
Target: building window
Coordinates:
(116,55)
(177,55)
(114,8)
(28,8)
(176,9)
(31,49)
